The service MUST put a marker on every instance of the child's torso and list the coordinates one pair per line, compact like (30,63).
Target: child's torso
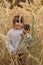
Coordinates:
(14,36)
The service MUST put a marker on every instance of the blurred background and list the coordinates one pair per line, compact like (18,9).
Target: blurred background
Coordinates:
(32,11)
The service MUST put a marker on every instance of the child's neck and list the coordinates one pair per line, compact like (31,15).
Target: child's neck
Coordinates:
(16,29)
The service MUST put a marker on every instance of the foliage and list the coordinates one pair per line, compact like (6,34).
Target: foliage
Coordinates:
(21,57)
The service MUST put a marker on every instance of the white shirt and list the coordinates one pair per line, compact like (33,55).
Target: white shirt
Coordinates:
(14,38)
(28,36)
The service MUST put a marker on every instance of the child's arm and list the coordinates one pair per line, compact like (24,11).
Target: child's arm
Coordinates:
(9,43)
(11,48)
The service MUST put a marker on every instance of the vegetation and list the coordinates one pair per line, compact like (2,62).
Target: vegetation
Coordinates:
(42,2)
(33,15)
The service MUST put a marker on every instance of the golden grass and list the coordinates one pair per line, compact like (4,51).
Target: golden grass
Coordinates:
(5,55)
(34,54)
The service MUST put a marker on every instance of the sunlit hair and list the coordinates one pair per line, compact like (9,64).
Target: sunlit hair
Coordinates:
(16,19)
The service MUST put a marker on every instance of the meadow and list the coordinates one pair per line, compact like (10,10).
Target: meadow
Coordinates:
(33,15)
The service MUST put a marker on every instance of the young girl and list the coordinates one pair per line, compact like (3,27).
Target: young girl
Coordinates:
(27,35)
(15,33)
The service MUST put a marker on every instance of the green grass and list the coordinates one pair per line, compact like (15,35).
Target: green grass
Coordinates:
(33,21)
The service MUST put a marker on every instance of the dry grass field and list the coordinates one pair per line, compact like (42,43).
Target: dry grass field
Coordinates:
(33,15)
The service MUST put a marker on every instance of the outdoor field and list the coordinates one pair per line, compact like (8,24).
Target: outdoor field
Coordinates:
(32,12)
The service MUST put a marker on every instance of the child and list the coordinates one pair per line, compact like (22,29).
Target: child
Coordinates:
(15,33)
(27,36)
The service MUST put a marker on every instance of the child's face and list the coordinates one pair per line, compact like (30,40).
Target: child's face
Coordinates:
(18,25)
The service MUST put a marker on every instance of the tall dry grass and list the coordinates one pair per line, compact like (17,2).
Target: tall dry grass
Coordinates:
(34,55)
